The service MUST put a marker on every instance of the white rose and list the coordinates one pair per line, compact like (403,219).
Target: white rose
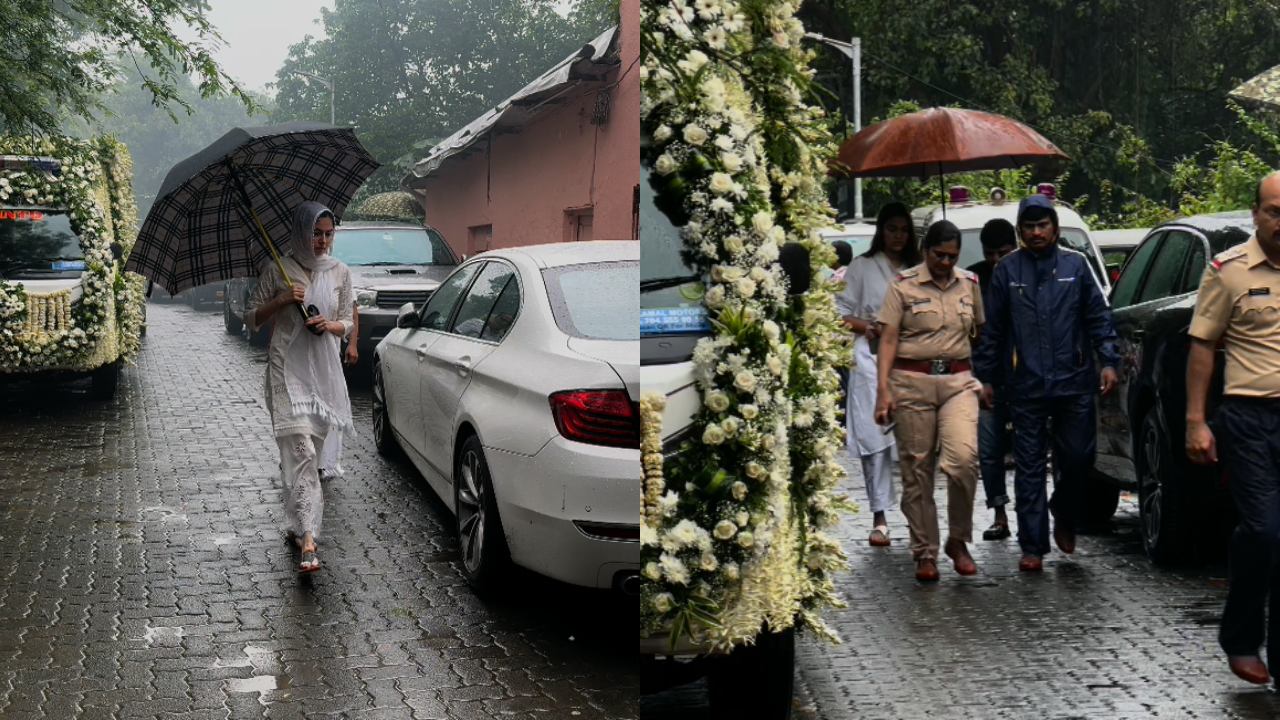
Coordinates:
(721,183)
(746,287)
(715,296)
(708,562)
(665,164)
(739,490)
(742,518)
(745,381)
(693,61)
(662,602)
(774,364)
(749,411)
(713,435)
(757,274)
(652,572)
(731,161)
(724,142)
(725,530)
(694,135)
(733,244)
(732,274)
(762,221)
(755,470)
(718,401)
(746,539)
(730,570)
(730,425)
(663,133)
(768,253)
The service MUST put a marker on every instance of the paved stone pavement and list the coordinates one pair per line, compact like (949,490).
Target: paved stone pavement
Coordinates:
(143,574)
(1103,634)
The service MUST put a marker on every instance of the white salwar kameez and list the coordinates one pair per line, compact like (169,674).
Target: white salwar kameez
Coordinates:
(866,281)
(306,403)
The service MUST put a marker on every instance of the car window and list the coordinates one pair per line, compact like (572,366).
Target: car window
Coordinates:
(504,313)
(391,246)
(38,239)
(1165,274)
(481,298)
(436,314)
(1195,267)
(599,301)
(1135,268)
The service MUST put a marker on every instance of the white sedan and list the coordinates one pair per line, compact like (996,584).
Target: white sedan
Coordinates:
(515,392)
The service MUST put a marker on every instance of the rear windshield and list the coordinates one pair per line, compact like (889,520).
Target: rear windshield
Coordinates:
(38,239)
(598,301)
(1072,238)
(391,246)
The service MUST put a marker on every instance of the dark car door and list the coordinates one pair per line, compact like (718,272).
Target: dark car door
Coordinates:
(1155,276)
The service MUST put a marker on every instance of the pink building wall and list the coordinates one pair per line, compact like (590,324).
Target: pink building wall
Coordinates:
(530,186)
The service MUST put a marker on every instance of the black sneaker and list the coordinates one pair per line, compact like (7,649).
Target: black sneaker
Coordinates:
(997,531)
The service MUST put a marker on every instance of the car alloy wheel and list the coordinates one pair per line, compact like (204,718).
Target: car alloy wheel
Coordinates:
(1151,491)
(1162,498)
(383,437)
(484,548)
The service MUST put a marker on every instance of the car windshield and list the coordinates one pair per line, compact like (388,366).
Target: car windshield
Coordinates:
(670,290)
(596,301)
(858,243)
(1071,238)
(391,246)
(38,239)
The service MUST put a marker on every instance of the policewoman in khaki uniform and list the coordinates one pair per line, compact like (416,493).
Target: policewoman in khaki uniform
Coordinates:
(930,316)
(1239,306)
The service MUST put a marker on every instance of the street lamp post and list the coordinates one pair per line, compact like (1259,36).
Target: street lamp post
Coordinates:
(853,51)
(323,81)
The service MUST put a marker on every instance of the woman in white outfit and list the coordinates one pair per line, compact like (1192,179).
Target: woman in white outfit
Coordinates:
(865,282)
(305,390)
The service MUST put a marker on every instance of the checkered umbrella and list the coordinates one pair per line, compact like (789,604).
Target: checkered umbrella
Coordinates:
(219,211)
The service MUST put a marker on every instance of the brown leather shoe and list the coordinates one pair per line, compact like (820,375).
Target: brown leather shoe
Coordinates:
(1031,563)
(1250,668)
(926,570)
(1066,539)
(961,558)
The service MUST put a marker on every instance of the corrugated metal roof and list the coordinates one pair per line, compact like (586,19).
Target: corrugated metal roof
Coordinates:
(591,62)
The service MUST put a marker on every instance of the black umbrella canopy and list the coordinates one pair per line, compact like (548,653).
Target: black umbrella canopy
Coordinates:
(202,227)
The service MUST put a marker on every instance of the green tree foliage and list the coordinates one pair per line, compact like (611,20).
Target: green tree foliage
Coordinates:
(157,139)
(410,72)
(1132,90)
(59,56)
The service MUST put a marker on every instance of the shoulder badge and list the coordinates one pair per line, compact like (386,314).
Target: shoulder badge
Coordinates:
(1228,255)
(908,273)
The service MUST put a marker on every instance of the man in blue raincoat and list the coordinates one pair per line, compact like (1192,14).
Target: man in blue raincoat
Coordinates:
(1047,310)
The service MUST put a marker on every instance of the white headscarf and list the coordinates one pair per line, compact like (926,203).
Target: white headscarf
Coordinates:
(312,372)
(304,226)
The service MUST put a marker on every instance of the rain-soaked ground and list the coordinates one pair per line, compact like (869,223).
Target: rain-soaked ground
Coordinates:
(1102,634)
(143,574)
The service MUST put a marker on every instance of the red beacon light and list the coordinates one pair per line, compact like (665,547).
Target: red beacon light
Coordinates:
(958,195)
(1048,190)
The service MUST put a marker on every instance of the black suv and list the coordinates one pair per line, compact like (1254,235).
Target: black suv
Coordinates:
(1141,427)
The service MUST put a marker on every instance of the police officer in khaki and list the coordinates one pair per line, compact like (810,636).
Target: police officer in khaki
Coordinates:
(930,315)
(1239,306)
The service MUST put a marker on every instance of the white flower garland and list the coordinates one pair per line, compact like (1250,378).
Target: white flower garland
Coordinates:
(41,332)
(733,538)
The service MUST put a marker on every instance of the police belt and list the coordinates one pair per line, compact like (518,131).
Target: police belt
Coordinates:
(931,367)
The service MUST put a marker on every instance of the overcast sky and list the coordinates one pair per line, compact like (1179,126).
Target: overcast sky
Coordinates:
(258,33)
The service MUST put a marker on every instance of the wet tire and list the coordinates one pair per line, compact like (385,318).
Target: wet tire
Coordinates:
(1162,500)
(755,681)
(485,559)
(384,437)
(104,381)
(232,324)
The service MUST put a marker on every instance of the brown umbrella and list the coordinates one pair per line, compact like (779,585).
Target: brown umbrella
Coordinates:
(938,141)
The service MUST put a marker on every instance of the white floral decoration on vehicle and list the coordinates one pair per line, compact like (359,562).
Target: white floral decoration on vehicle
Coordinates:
(733,527)
(49,331)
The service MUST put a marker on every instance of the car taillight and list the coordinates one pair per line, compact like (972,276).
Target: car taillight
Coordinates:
(597,417)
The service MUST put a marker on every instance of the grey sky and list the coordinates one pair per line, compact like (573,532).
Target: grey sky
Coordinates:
(257,35)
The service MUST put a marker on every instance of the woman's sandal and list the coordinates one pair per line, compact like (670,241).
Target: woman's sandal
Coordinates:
(309,562)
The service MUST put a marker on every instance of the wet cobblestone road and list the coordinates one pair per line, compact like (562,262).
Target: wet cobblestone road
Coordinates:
(1103,634)
(143,574)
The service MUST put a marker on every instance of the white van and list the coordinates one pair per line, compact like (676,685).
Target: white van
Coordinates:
(970,216)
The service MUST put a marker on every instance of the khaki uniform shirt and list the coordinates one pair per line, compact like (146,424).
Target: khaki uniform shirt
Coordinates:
(934,323)
(1239,303)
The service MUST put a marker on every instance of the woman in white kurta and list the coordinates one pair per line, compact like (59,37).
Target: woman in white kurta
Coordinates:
(305,391)
(865,282)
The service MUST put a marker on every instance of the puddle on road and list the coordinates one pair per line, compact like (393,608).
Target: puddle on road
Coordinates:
(257,683)
(224,540)
(162,633)
(167,515)
(253,657)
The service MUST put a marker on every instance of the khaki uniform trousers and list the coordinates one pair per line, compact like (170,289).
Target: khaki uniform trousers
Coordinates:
(937,429)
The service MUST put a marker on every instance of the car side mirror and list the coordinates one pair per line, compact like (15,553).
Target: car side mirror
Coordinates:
(407,317)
